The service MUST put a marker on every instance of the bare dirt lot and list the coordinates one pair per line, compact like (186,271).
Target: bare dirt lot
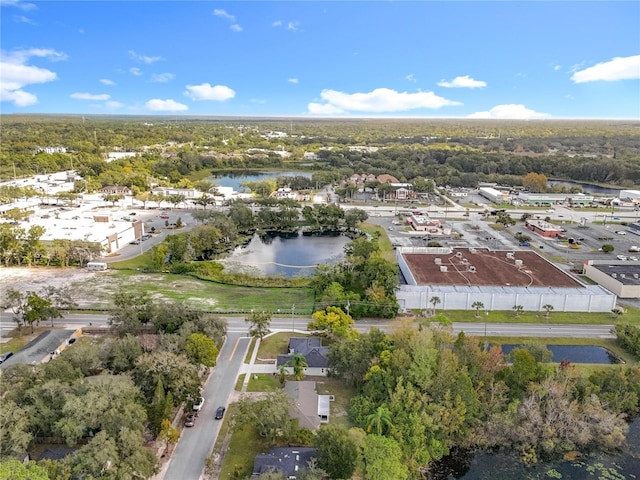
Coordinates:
(80,281)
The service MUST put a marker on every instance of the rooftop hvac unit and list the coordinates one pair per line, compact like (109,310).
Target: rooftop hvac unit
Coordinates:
(635,275)
(458,254)
(622,275)
(443,268)
(472,250)
(464,260)
(510,255)
(519,262)
(472,268)
(614,275)
(437,260)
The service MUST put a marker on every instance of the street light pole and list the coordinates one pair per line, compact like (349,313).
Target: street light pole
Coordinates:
(293,320)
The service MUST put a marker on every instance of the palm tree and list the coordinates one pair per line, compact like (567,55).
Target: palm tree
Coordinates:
(434,301)
(548,307)
(379,420)
(478,306)
(299,363)
(518,309)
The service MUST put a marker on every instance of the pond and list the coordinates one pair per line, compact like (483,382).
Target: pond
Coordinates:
(487,466)
(293,255)
(574,353)
(234,179)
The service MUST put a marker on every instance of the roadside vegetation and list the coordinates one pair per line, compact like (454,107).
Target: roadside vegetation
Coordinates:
(106,397)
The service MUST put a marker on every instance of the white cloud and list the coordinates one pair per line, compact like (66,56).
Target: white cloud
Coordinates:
(323,109)
(135,71)
(15,74)
(411,78)
(162,77)
(462,82)
(292,25)
(18,4)
(378,100)
(106,81)
(236,28)
(158,105)
(206,92)
(510,111)
(144,58)
(90,96)
(23,19)
(557,67)
(619,68)
(113,104)
(293,80)
(218,12)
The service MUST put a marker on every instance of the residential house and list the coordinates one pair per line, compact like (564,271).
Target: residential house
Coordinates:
(314,353)
(288,461)
(309,408)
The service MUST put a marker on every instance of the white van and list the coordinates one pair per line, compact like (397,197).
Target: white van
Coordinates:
(97,266)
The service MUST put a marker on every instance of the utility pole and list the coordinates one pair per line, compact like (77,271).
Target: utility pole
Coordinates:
(293,320)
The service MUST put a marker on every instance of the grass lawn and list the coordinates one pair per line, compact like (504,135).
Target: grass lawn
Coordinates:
(202,294)
(502,316)
(244,446)
(376,231)
(275,345)
(342,394)
(265,382)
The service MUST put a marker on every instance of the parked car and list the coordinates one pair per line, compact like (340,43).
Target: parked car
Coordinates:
(621,232)
(197,405)
(164,216)
(135,242)
(220,413)
(145,237)
(4,356)
(190,421)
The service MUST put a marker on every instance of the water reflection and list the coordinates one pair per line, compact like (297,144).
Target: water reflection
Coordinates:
(289,255)
(573,353)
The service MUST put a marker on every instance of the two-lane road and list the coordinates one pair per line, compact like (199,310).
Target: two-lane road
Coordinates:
(196,443)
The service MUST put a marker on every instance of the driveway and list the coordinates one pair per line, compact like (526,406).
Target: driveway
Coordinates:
(196,443)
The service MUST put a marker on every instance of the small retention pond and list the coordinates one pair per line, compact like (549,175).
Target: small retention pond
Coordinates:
(574,353)
(291,255)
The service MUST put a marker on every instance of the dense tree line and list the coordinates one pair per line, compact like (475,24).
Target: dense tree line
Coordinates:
(451,152)
(107,397)
(427,392)
(364,284)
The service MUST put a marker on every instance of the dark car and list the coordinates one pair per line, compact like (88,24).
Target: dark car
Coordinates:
(4,356)
(220,413)
(190,421)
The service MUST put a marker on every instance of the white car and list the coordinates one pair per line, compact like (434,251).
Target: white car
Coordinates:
(197,406)
(621,257)
(620,232)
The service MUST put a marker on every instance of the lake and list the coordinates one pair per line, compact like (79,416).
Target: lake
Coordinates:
(574,353)
(234,179)
(291,255)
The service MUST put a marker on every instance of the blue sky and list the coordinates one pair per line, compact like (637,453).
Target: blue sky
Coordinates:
(476,59)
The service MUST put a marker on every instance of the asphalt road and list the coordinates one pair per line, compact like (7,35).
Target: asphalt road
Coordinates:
(196,443)
(237,326)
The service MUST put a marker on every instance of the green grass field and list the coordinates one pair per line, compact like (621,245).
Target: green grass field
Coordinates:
(499,316)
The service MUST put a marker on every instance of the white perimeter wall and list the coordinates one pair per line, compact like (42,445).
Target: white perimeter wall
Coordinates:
(412,297)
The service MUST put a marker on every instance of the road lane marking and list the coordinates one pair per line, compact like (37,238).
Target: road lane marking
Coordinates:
(234,348)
